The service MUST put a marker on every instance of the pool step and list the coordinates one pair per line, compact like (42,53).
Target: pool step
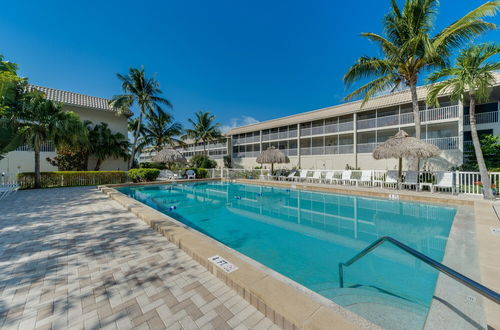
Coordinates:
(386,310)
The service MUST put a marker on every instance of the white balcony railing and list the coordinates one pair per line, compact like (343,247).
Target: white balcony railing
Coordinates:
(483,118)
(442,113)
(45,147)
(447,143)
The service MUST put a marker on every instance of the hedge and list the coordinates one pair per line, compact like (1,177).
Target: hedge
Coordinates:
(143,174)
(26,180)
(160,166)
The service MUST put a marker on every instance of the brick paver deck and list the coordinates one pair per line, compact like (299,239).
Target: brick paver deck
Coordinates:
(72,258)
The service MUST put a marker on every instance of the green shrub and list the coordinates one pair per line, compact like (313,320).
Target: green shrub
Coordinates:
(160,166)
(201,173)
(143,174)
(202,161)
(26,180)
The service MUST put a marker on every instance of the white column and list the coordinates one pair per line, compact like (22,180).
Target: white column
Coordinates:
(298,143)
(461,130)
(355,138)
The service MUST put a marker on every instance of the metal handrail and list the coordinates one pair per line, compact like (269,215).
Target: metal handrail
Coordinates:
(479,288)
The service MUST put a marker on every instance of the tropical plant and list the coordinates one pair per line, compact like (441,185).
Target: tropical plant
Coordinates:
(490,147)
(145,93)
(161,130)
(409,48)
(39,120)
(202,161)
(9,137)
(70,158)
(472,75)
(143,174)
(103,143)
(228,162)
(204,129)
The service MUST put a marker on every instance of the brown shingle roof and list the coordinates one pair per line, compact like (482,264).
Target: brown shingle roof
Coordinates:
(76,99)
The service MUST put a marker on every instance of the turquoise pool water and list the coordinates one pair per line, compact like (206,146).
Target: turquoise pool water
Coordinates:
(304,235)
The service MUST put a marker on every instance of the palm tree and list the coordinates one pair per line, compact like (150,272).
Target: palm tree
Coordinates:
(40,120)
(103,144)
(472,75)
(204,129)
(160,130)
(140,90)
(409,49)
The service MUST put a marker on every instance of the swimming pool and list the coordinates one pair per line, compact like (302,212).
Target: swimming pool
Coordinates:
(304,235)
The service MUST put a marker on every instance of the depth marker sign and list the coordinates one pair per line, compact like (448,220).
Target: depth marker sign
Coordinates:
(223,264)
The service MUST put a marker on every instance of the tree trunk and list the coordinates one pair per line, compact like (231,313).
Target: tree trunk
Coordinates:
(98,164)
(416,115)
(483,171)
(37,165)
(205,148)
(136,136)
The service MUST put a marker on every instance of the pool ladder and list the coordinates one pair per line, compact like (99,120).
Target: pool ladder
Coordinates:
(477,287)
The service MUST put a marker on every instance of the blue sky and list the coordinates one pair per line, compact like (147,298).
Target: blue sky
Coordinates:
(241,60)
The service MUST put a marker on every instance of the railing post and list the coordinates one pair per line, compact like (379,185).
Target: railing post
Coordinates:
(341,275)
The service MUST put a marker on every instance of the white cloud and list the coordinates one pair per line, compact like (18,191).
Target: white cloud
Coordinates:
(237,122)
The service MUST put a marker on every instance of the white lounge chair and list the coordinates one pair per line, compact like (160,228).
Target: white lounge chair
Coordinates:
(366,177)
(167,175)
(302,176)
(190,174)
(391,178)
(345,179)
(316,177)
(444,180)
(329,177)
(411,180)
(289,177)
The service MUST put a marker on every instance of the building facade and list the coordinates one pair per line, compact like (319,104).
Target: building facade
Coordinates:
(94,109)
(334,137)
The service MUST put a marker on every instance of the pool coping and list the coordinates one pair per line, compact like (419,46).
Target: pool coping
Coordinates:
(285,302)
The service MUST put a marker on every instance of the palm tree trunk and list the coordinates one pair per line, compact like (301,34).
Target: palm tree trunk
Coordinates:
(37,165)
(205,148)
(483,171)
(416,114)
(98,164)
(136,137)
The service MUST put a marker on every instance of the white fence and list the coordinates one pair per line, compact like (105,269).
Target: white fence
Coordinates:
(465,182)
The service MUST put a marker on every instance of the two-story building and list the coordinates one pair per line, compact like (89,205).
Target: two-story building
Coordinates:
(94,109)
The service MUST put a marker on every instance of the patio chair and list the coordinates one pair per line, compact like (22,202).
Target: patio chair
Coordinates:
(289,177)
(391,178)
(190,174)
(316,177)
(329,177)
(302,176)
(167,175)
(444,180)
(410,180)
(345,179)
(366,177)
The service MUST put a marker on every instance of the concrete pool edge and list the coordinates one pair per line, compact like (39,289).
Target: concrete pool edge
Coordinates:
(285,302)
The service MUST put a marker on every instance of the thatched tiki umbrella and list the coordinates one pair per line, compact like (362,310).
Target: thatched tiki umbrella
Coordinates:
(402,146)
(169,156)
(271,156)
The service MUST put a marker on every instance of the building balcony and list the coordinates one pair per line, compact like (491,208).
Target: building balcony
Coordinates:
(45,147)
(436,114)
(483,118)
(446,143)
(327,150)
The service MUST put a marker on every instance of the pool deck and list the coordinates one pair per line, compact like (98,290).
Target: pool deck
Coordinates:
(71,258)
